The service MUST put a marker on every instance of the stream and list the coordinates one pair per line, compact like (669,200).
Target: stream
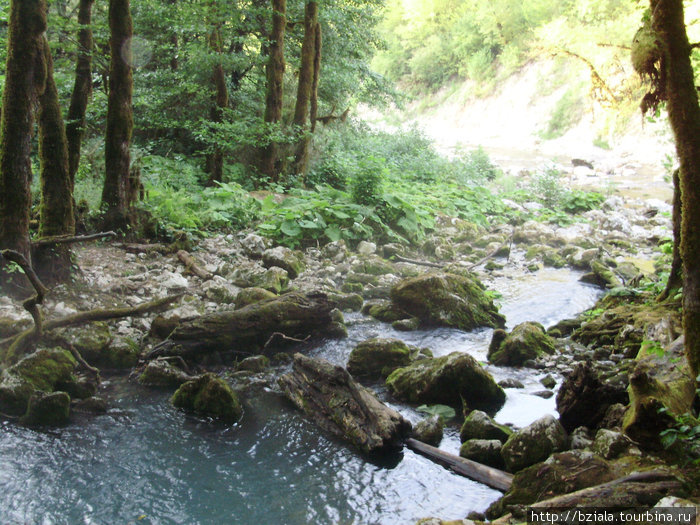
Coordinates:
(145,462)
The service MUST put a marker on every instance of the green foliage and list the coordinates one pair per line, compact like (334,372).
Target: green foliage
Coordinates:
(442,411)
(546,186)
(478,165)
(366,185)
(566,113)
(578,201)
(684,435)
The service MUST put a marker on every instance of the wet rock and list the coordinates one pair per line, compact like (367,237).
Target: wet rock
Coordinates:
(347,302)
(510,382)
(219,290)
(580,439)
(163,373)
(406,325)
(275,280)
(90,405)
(429,430)
(484,451)
(659,379)
(526,341)
(544,394)
(253,245)
(209,395)
(378,357)
(446,299)
(384,311)
(601,275)
(610,444)
(47,409)
(252,295)
(450,380)
(373,266)
(284,258)
(478,425)
(548,382)
(255,364)
(583,398)
(534,443)
(328,394)
(366,248)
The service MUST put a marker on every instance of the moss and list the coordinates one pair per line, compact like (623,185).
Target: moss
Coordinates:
(526,341)
(378,357)
(345,302)
(47,409)
(384,311)
(209,395)
(352,287)
(44,369)
(252,295)
(374,266)
(478,425)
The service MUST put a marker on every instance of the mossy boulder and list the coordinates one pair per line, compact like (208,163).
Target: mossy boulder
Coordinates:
(274,280)
(162,327)
(373,266)
(534,443)
(252,295)
(449,380)
(163,373)
(406,325)
(484,451)
(378,357)
(526,341)
(660,379)
(255,364)
(429,430)
(478,425)
(384,311)
(47,409)
(447,299)
(209,395)
(610,444)
(347,302)
(284,258)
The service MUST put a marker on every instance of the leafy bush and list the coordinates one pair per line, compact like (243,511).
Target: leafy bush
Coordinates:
(578,201)
(479,166)
(332,171)
(366,186)
(547,188)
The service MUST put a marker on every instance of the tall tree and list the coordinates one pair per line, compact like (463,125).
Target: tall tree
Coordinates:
(215,159)
(53,263)
(118,190)
(305,86)
(82,88)
(24,81)
(269,157)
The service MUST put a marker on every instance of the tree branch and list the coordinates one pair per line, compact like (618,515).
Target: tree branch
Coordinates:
(69,239)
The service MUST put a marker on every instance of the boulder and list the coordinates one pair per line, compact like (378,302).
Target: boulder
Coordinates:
(429,430)
(526,341)
(162,373)
(384,311)
(274,280)
(484,451)
(284,258)
(406,325)
(209,395)
(373,266)
(658,380)
(610,444)
(580,438)
(378,357)
(366,248)
(534,443)
(478,425)
(328,395)
(255,364)
(449,380)
(253,245)
(583,398)
(219,290)
(252,295)
(47,409)
(447,299)
(347,302)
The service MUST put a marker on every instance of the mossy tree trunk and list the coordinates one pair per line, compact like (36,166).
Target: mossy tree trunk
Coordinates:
(215,159)
(313,110)
(270,165)
(305,87)
(116,193)
(684,117)
(53,263)
(675,278)
(24,81)
(82,88)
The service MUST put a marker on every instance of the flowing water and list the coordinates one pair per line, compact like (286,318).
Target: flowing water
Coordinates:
(145,462)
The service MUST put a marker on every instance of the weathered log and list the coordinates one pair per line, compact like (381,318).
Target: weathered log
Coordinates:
(70,239)
(294,315)
(329,395)
(490,476)
(635,490)
(192,265)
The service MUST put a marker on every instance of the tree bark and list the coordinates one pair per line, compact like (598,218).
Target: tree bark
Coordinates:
(120,122)
(82,88)
(215,159)
(53,263)
(675,278)
(270,165)
(24,81)
(313,110)
(684,117)
(304,87)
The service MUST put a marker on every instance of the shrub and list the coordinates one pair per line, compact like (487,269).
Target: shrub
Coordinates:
(366,187)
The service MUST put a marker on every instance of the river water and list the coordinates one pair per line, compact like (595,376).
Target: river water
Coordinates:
(147,463)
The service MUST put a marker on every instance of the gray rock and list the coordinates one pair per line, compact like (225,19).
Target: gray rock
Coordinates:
(284,258)
(366,248)
(429,430)
(534,443)
(484,451)
(478,425)
(580,439)
(610,444)
(253,245)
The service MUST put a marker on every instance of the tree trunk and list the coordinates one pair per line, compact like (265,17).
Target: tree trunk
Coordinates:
(215,159)
(313,111)
(120,121)
(684,116)
(82,88)
(24,81)
(269,158)
(304,88)
(675,278)
(53,263)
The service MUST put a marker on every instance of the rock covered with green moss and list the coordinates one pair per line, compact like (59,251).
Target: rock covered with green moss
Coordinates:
(209,395)
(452,380)
(328,395)
(479,425)
(163,373)
(447,299)
(527,341)
(378,357)
(484,451)
(50,409)
(252,295)
(429,430)
(284,258)
(534,443)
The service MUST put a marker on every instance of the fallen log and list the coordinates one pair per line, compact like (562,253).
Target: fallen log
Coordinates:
(70,239)
(293,315)
(489,476)
(639,489)
(192,265)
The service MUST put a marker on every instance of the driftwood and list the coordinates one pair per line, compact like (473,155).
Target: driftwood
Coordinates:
(70,239)
(635,490)
(419,263)
(192,265)
(490,476)
(293,315)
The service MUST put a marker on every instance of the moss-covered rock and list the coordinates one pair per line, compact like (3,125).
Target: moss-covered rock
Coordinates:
(534,443)
(526,341)
(211,396)
(162,327)
(406,325)
(447,299)
(450,380)
(378,357)
(47,409)
(384,311)
(162,373)
(373,266)
(610,444)
(274,280)
(429,430)
(347,302)
(660,379)
(478,425)
(284,258)
(255,363)
(252,295)
(484,451)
